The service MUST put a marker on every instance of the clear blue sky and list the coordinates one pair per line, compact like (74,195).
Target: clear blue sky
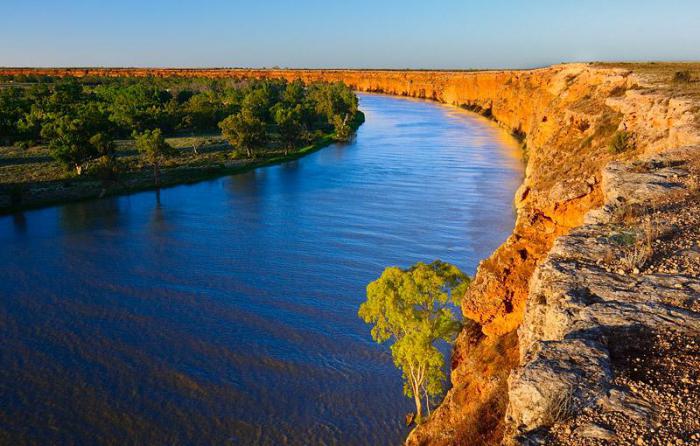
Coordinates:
(359,33)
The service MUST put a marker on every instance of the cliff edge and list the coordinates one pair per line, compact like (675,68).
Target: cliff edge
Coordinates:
(608,148)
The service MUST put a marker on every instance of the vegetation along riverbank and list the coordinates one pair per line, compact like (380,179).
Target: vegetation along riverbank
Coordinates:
(65,139)
(600,254)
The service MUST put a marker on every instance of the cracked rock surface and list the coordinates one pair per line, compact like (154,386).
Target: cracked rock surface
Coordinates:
(610,342)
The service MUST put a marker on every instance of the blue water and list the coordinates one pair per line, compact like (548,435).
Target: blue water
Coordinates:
(224,312)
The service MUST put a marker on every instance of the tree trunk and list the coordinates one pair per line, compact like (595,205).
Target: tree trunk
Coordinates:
(419,407)
(156,173)
(427,402)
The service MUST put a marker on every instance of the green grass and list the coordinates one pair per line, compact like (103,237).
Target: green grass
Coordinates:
(621,142)
(23,171)
(625,238)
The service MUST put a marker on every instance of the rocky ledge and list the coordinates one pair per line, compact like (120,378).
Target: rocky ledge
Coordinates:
(602,256)
(610,341)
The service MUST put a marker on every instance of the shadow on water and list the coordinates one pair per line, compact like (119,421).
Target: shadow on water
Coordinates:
(225,312)
(19,221)
(247,183)
(158,221)
(81,217)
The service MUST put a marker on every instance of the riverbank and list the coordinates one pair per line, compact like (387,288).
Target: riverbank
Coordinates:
(47,183)
(232,303)
(575,120)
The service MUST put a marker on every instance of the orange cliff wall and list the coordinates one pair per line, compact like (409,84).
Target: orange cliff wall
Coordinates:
(531,102)
(564,115)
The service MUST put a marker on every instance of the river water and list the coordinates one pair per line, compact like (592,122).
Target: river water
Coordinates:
(225,312)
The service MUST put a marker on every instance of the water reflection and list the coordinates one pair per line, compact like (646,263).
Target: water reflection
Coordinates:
(158,220)
(225,311)
(78,217)
(20,222)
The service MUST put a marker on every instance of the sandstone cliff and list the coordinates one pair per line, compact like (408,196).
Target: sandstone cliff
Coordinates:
(526,303)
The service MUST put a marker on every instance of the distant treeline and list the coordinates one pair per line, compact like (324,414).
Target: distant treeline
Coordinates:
(78,118)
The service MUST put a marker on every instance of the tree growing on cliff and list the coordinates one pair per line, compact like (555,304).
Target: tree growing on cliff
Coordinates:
(154,149)
(413,309)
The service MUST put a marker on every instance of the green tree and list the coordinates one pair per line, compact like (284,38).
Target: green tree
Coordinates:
(289,124)
(202,112)
(69,141)
(105,166)
(13,106)
(337,104)
(135,107)
(154,149)
(294,92)
(413,309)
(103,144)
(258,102)
(342,128)
(244,131)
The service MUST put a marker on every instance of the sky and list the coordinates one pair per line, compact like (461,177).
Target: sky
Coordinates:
(359,33)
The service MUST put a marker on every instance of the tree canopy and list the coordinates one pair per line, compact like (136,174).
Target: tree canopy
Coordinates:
(79,118)
(245,131)
(153,148)
(413,308)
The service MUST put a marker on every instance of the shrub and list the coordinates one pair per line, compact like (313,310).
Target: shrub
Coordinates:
(624,238)
(105,169)
(681,76)
(561,406)
(24,145)
(583,125)
(519,135)
(636,257)
(621,142)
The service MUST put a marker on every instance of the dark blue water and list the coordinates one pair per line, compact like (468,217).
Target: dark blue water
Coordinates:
(225,312)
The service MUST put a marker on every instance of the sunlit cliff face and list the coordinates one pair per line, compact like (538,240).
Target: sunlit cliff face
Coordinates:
(565,116)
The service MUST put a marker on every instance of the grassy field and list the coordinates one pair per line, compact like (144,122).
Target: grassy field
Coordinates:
(31,178)
(34,164)
(664,76)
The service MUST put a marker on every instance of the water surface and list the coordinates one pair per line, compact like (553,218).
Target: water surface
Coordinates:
(225,312)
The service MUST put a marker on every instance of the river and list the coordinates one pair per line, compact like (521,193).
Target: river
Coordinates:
(225,312)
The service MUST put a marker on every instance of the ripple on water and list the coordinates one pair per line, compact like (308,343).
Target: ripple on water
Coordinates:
(227,312)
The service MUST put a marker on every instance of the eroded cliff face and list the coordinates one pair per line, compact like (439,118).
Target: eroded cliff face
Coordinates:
(559,111)
(566,116)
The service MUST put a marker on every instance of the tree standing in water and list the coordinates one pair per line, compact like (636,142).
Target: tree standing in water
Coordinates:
(413,308)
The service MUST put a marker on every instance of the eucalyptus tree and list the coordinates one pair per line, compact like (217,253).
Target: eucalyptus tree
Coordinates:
(413,309)
(337,104)
(245,131)
(289,125)
(69,142)
(154,150)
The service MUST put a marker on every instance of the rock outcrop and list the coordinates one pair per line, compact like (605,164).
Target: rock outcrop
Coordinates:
(585,299)
(544,310)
